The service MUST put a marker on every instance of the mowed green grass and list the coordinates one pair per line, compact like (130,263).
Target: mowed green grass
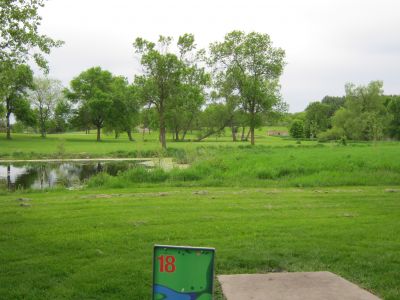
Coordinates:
(98,245)
(85,145)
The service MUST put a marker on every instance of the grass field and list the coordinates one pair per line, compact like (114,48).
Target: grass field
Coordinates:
(84,145)
(88,245)
(279,206)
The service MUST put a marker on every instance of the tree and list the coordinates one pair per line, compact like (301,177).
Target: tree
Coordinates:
(189,96)
(92,90)
(394,110)
(124,100)
(334,103)
(254,66)
(297,129)
(161,79)
(44,96)
(62,115)
(15,81)
(20,39)
(214,119)
(364,115)
(317,119)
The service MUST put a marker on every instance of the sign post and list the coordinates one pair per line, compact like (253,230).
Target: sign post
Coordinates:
(183,273)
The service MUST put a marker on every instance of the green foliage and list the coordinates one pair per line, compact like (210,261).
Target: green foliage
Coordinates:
(394,110)
(62,116)
(173,85)
(124,99)
(20,39)
(334,133)
(252,67)
(364,115)
(92,89)
(317,119)
(14,82)
(297,129)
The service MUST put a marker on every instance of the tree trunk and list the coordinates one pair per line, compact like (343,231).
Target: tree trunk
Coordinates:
(116,134)
(129,132)
(184,134)
(242,138)
(252,134)
(162,137)
(42,131)
(9,177)
(98,133)
(233,133)
(8,126)
(247,136)
(162,130)
(210,133)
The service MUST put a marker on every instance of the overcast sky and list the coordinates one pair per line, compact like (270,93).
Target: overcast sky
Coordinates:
(327,43)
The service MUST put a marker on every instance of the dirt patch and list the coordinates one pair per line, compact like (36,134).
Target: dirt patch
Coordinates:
(25,205)
(348,215)
(138,223)
(24,199)
(392,190)
(200,193)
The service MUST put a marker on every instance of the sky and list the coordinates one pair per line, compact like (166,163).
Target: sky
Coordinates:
(327,43)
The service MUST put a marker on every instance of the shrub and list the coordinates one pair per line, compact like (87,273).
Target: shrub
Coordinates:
(297,129)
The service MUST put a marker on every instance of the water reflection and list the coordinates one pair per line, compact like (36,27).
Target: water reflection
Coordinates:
(15,176)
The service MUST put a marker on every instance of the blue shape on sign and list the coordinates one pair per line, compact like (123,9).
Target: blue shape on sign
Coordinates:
(170,294)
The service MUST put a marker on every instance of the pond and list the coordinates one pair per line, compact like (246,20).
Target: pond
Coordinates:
(69,174)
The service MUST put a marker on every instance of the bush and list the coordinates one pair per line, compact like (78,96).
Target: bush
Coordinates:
(99,180)
(297,129)
(332,134)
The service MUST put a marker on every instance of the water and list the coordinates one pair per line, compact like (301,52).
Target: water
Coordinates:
(43,175)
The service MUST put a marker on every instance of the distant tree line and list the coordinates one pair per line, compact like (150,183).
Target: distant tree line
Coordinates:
(363,113)
(234,84)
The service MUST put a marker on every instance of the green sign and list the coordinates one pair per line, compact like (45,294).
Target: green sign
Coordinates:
(183,273)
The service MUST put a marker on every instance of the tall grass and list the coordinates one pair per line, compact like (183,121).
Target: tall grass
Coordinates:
(272,166)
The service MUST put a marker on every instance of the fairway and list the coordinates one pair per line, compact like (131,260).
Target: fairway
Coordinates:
(98,245)
(83,145)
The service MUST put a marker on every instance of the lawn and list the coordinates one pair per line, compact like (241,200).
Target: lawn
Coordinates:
(80,144)
(279,206)
(98,245)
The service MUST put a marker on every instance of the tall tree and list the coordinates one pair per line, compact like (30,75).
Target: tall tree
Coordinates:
(124,100)
(20,39)
(15,81)
(189,96)
(62,115)
(45,95)
(161,79)
(254,65)
(92,90)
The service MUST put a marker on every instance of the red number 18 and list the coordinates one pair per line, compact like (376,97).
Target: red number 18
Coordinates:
(167,263)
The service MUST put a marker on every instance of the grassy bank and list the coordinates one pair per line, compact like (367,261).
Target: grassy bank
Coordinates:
(89,245)
(261,166)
